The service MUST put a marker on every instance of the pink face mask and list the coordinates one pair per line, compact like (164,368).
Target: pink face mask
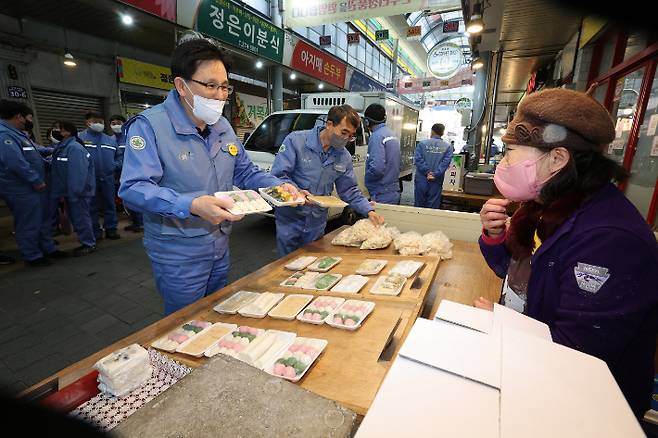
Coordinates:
(518,182)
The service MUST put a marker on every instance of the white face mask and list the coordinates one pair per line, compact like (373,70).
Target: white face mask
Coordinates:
(208,110)
(53,140)
(97,127)
(116,128)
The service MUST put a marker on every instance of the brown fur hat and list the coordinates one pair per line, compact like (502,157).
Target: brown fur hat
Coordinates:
(559,117)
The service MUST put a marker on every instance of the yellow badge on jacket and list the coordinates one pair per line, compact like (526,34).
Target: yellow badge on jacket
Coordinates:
(232,149)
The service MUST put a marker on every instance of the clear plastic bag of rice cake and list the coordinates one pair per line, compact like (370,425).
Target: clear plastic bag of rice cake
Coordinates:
(345,238)
(363,229)
(410,243)
(437,243)
(381,238)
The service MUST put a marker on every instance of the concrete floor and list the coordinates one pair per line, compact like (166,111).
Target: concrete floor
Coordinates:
(53,316)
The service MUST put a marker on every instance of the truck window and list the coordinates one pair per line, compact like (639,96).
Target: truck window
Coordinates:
(270,134)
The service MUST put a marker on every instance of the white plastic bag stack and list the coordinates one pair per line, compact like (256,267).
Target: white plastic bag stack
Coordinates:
(124,370)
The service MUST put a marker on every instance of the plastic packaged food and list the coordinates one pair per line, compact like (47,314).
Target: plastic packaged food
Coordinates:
(351,314)
(280,197)
(261,305)
(198,345)
(231,305)
(324,281)
(234,342)
(290,306)
(304,280)
(371,267)
(390,284)
(350,284)
(297,359)
(320,309)
(266,348)
(246,202)
(324,264)
(406,268)
(172,340)
(327,201)
(300,263)
(124,370)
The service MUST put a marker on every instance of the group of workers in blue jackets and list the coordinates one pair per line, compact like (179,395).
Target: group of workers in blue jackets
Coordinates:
(77,171)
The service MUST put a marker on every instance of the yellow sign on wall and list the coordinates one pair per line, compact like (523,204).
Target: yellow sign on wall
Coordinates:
(135,72)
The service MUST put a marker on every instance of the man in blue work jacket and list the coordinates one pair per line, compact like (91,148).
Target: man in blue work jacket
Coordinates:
(107,160)
(383,163)
(315,160)
(432,159)
(116,125)
(23,187)
(178,154)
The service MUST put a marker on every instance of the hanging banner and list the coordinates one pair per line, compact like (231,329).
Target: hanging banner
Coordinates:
(135,72)
(414,32)
(306,13)
(317,63)
(162,8)
(357,81)
(451,26)
(445,60)
(252,110)
(325,40)
(425,85)
(227,22)
(353,38)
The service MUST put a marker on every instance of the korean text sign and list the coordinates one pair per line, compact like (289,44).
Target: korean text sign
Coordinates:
(318,64)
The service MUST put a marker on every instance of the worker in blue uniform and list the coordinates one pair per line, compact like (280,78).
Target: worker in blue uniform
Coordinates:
(73,178)
(22,186)
(432,159)
(106,155)
(383,163)
(116,125)
(178,154)
(314,160)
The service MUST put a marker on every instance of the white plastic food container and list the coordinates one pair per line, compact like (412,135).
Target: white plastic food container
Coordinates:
(304,280)
(266,348)
(290,307)
(300,263)
(297,359)
(350,284)
(324,264)
(320,309)
(246,202)
(406,268)
(231,305)
(272,200)
(384,285)
(198,344)
(172,340)
(351,314)
(323,282)
(371,267)
(235,342)
(261,305)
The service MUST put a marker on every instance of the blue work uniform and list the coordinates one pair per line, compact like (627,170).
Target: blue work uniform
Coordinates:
(106,155)
(21,168)
(303,162)
(73,178)
(432,155)
(167,164)
(135,216)
(383,166)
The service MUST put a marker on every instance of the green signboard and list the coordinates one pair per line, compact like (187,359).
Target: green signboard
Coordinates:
(231,24)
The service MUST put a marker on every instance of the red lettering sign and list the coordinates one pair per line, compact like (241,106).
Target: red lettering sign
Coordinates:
(316,63)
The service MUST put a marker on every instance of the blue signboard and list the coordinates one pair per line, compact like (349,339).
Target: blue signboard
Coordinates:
(361,82)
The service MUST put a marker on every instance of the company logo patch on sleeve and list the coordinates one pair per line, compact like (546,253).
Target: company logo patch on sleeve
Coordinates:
(590,278)
(282,148)
(138,143)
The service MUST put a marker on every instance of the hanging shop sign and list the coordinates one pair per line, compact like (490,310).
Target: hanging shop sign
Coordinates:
(463,104)
(353,38)
(162,8)
(227,22)
(325,40)
(414,32)
(451,26)
(14,92)
(444,60)
(381,35)
(252,110)
(135,72)
(317,63)
(358,81)
(427,84)
(420,85)
(303,13)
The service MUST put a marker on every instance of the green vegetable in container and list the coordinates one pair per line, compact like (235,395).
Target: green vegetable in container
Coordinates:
(326,262)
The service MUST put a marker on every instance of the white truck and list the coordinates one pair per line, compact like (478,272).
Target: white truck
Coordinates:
(402,118)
